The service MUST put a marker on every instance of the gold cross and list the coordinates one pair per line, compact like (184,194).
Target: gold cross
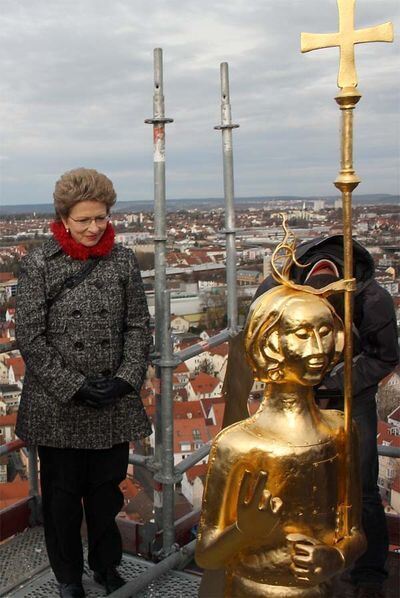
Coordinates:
(345,39)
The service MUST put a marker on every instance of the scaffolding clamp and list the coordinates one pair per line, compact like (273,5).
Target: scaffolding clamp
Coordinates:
(160,120)
(174,478)
(167,363)
(228,126)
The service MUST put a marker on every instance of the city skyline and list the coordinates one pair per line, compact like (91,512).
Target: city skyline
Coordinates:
(78,85)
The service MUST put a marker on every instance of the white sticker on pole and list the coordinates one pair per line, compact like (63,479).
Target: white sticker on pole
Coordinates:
(159,143)
(158,499)
(158,495)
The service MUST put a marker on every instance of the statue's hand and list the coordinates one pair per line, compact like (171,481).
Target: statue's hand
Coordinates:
(312,561)
(257,511)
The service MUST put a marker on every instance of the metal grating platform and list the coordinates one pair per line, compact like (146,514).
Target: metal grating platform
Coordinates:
(26,573)
(22,557)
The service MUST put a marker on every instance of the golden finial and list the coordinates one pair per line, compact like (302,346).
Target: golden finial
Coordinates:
(346,182)
(283,258)
(346,38)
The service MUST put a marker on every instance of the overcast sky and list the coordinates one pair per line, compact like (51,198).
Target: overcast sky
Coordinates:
(77,82)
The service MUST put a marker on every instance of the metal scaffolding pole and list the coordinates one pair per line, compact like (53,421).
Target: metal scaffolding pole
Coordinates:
(35,505)
(226,127)
(167,476)
(178,560)
(159,121)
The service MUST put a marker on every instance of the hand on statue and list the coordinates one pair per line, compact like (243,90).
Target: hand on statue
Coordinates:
(257,511)
(312,561)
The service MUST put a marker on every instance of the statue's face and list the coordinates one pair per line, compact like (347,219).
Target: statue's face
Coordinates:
(307,340)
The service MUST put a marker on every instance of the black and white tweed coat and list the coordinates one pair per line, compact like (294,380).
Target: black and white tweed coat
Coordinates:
(100,327)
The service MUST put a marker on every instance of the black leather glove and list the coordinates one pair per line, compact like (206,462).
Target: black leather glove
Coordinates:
(121,387)
(115,388)
(101,392)
(93,395)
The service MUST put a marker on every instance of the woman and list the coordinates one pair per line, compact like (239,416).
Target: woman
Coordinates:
(273,499)
(83,331)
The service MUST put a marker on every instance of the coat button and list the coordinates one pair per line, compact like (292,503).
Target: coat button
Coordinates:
(79,345)
(105,342)
(106,373)
(104,313)
(98,284)
(76,313)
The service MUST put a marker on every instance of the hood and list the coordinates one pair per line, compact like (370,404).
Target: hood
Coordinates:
(331,248)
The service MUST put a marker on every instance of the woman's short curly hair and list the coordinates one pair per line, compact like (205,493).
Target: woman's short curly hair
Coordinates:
(82,184)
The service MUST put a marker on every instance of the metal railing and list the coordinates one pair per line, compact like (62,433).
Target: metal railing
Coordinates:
(10,447)
(35,500)
(389,451)
(176,560)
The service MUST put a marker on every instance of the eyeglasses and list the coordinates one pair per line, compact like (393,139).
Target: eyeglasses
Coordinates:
(86,222)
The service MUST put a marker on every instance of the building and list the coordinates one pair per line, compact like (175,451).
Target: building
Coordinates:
(394,421)
(16,370)
(190,435)
(204,386)
(179,324)
(192,484)
(219,359)
(10,394)
(249,277)
(8,289)
(318,205)
(7,427)
(389,468)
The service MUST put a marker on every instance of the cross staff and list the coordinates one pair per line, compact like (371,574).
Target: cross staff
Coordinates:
(347,181)
(346,38)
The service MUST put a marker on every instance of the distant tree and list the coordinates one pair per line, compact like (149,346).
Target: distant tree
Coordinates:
(197,329)
(10,265)
(215,308)
(205,366)
(244,303)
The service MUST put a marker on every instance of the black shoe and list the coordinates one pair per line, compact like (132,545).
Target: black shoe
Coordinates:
(71,590)
(109,579)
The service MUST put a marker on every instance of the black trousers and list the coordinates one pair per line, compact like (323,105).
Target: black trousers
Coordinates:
(70,477)
(370,567)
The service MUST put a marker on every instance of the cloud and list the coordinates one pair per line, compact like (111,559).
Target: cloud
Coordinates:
(77,84)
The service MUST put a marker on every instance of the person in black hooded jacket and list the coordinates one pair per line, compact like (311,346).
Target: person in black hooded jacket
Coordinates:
(376,354)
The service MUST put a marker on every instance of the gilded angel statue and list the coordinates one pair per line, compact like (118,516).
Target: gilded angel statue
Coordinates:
(274,496)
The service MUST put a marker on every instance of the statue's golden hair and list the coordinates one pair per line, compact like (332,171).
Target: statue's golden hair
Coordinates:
(263,355)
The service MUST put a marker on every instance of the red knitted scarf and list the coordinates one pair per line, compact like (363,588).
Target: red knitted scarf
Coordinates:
(78,251)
